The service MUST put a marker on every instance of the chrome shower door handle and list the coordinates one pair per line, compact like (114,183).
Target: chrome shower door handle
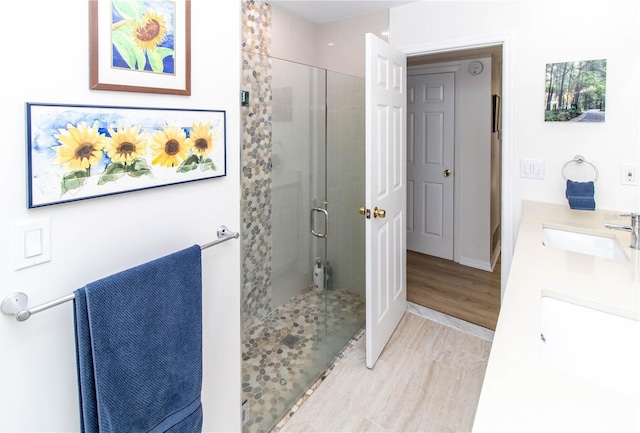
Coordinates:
(313,222)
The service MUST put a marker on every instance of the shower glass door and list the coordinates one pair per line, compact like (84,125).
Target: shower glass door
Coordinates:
(345,192)
(314,292)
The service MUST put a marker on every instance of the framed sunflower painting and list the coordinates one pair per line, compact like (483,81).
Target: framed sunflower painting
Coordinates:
(77,152)
(140,46)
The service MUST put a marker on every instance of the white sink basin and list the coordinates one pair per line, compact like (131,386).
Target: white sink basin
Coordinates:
(579,242)
(597,346)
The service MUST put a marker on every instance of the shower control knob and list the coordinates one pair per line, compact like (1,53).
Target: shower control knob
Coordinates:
(379,213)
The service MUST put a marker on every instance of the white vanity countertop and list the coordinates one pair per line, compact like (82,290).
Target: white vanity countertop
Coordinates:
(522,394)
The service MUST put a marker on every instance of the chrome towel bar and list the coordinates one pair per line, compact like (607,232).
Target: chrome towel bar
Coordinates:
(16,303)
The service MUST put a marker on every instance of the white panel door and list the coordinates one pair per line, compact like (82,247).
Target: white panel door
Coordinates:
(430,143)
(386,103)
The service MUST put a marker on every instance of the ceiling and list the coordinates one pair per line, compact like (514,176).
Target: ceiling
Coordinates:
(324,11)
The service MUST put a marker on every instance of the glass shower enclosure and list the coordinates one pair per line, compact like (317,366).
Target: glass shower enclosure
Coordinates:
(312,292)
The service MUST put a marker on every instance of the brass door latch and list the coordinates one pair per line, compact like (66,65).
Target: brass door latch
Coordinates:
(377,213)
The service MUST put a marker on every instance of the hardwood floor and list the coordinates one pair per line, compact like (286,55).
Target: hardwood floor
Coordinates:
(460,291)
(427,379)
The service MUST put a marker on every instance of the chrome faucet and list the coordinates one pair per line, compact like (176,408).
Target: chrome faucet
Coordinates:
(633,228)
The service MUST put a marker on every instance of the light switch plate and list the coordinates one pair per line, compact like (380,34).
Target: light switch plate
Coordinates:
(32,243)
(532,168)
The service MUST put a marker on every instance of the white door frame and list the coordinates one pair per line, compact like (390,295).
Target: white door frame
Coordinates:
(506,218)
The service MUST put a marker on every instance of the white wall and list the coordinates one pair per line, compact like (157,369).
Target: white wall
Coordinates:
(346,52)
(336,46)
(542,32)
(94,238)
(293,38)
(474,173)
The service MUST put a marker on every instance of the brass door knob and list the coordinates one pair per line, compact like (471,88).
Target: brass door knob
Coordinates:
(447,173)
(363,210)
(379,213)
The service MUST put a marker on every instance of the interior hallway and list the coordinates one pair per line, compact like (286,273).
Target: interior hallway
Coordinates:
(470,294)
(428,379)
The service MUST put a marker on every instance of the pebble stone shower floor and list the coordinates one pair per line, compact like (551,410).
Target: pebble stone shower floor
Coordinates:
(281,351)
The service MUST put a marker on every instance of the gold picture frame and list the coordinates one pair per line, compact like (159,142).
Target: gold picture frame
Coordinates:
(140,46)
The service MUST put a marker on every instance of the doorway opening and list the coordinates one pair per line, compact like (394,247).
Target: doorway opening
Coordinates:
(458,262)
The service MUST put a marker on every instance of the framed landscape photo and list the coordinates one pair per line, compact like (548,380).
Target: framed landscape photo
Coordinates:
(140,46)
(576,91)
(76,152)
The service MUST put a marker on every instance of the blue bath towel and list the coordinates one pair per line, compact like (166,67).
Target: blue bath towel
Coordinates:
(139,348)
(581,195)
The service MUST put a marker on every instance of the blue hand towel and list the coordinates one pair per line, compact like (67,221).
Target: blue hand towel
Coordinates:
(139,348)
(581,195)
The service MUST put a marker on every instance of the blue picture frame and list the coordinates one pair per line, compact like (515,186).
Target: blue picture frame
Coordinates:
(77,152)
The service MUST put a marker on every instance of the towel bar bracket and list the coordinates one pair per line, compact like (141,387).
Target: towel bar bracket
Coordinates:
(14,303)
(224,234)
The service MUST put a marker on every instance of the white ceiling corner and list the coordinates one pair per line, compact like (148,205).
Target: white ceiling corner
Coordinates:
(324,11)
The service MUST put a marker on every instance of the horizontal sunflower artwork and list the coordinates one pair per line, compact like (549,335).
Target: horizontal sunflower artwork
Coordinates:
(77,152)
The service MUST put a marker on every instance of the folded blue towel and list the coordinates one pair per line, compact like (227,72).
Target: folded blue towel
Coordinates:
(139,348)
(581,195)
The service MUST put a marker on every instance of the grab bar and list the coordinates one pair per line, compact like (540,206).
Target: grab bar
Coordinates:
(16,303)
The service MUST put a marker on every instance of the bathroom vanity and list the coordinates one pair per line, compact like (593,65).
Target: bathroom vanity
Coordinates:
(566,350)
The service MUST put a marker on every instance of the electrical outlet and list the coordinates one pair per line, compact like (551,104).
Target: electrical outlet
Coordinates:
(629,175)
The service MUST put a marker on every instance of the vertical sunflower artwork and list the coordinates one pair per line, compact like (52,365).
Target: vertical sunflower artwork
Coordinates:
(142,34)
(79,152)
(140,45)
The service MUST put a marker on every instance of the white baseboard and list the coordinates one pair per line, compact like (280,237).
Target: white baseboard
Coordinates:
(478,264)
(481,264)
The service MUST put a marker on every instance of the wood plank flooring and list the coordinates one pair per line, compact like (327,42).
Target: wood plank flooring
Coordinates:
(460,291)
(427,379)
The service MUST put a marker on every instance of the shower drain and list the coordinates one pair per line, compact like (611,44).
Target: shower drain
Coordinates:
(290,341)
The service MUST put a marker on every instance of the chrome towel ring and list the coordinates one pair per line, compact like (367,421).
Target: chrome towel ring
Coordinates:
(579,159)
